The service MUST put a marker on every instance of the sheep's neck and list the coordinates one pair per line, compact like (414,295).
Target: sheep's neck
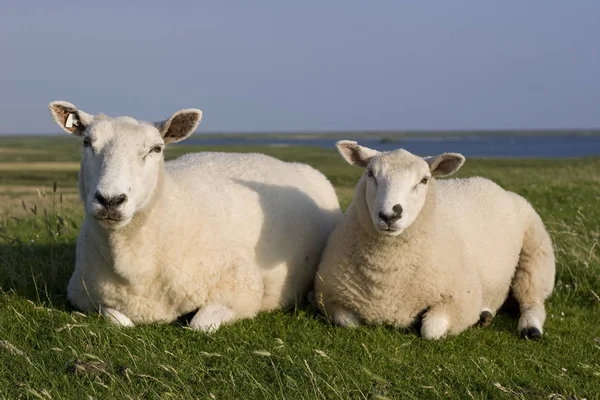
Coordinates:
(377,256)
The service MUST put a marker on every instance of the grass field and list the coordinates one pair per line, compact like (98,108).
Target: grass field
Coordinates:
(48,351)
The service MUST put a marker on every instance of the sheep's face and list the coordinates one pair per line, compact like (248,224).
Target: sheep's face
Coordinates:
(119,169)
(122,160)
(396,183)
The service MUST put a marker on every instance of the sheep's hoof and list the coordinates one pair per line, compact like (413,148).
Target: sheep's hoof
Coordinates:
(531,333)
(485,319)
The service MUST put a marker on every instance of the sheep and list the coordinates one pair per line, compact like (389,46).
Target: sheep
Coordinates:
(228,235)
(445,253)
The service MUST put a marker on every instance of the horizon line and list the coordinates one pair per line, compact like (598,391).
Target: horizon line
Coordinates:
(349,131)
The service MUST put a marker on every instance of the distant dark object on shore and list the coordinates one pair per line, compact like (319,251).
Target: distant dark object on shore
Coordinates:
(387,139)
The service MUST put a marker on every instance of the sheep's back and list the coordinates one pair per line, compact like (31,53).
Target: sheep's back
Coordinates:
(255,167)
(296,205)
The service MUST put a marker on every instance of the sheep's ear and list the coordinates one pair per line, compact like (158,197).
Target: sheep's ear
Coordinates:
(181,125)
(69,118)
(354,153)
(445,164)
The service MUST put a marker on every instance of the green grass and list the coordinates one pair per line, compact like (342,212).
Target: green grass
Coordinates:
(49,351)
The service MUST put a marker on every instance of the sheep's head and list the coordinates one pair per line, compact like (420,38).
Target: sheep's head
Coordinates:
(395,184)
(122,159)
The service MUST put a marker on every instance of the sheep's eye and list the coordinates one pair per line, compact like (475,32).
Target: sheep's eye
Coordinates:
(424,180)
(370,175)
(156,149)
(87,142)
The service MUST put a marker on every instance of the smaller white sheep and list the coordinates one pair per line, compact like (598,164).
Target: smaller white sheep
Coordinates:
(226,234)
(448,251)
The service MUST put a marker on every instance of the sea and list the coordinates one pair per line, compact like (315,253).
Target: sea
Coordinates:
(484,145)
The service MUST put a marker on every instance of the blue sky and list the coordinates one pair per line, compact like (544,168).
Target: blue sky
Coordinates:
(305,65)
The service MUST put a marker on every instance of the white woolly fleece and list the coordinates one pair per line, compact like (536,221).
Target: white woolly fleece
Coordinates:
(470,243)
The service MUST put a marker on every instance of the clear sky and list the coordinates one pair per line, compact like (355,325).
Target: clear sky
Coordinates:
(305,65)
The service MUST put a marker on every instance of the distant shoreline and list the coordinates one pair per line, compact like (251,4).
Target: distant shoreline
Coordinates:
(385,135)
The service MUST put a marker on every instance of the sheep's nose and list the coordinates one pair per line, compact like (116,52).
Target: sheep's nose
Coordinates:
(393,217)
(112,201)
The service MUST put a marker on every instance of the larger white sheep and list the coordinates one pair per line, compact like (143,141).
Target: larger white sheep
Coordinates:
(226,234)
(449,250)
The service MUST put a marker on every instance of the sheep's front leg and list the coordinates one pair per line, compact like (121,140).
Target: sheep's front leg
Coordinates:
(210,317)
(236,296)
(337,314)
(436,323)
(116,317)
(344,318)
(449,317)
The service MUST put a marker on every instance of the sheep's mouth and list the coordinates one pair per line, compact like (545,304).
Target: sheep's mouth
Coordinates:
(390,231)
(386,228)
(109,219)
(112,223)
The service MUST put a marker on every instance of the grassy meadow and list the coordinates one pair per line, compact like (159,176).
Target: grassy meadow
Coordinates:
(50,351)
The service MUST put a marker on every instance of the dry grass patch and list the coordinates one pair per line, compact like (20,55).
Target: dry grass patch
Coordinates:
(20,201)
(39,166)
